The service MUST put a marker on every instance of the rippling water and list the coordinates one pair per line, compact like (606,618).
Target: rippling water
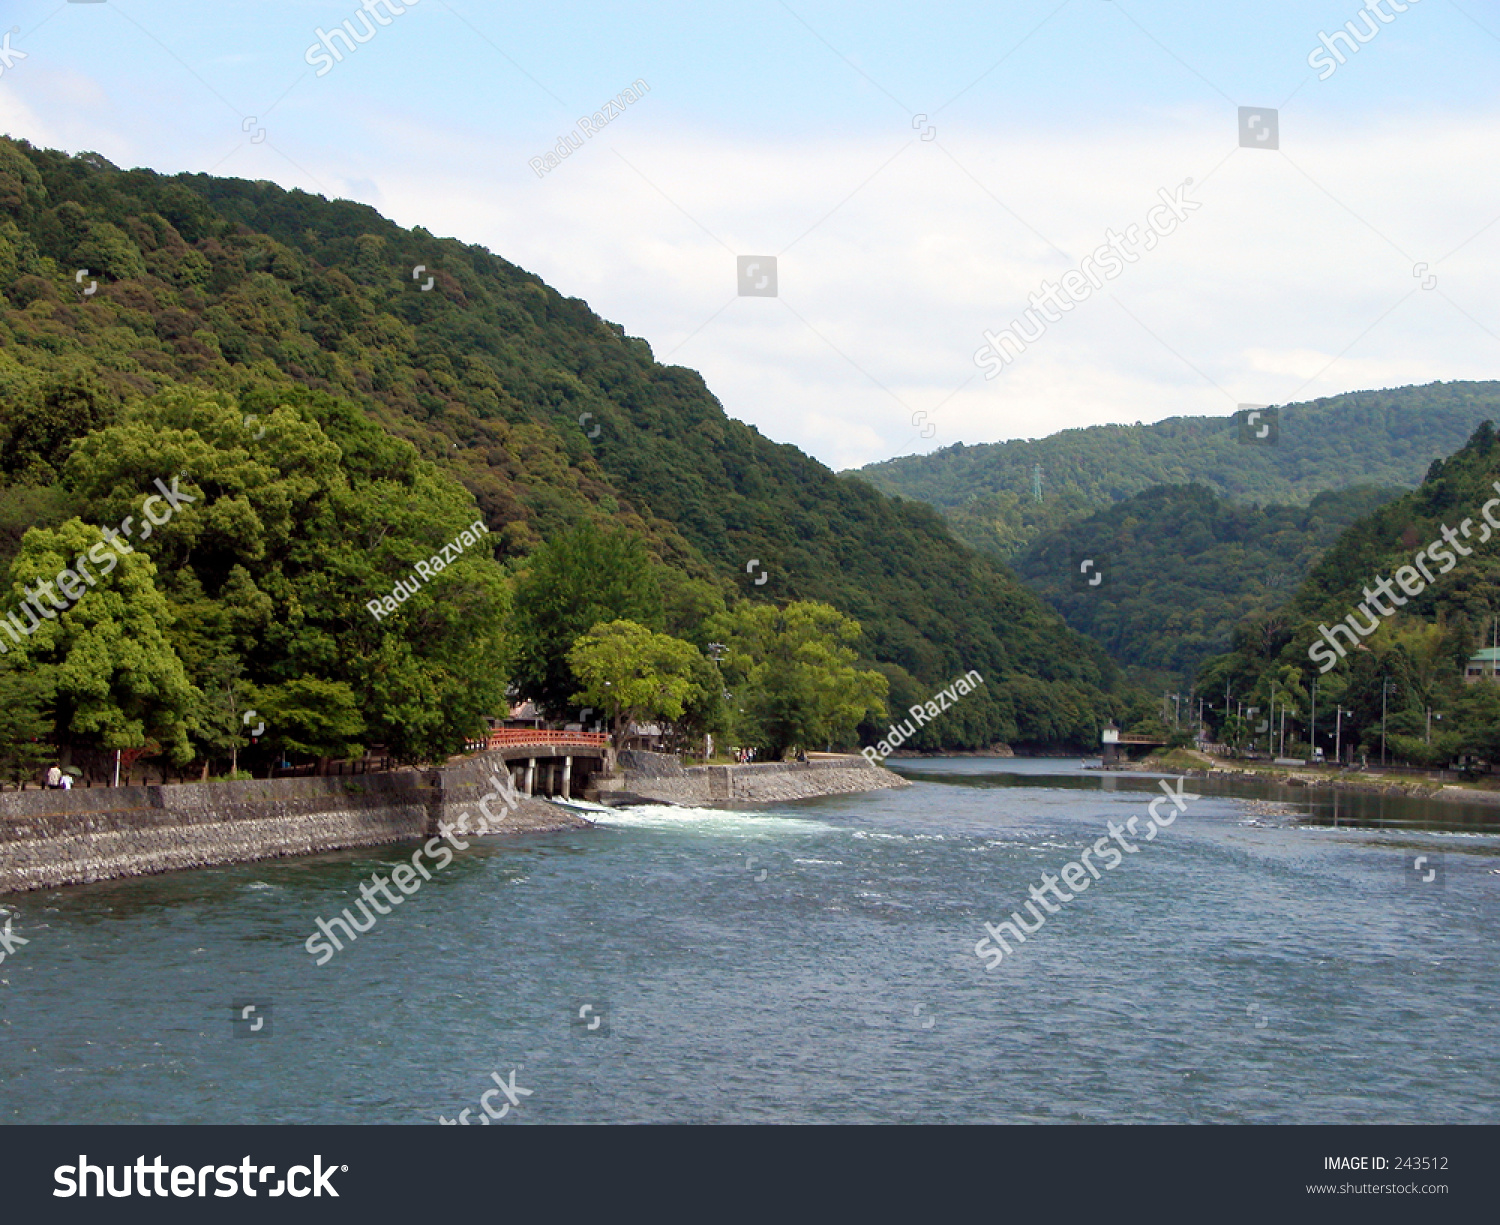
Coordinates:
(805,962)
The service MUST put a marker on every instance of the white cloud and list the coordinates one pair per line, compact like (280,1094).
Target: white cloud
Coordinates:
(1264,286)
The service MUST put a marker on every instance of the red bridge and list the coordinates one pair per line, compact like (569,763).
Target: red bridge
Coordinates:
(525,737)
(547,762)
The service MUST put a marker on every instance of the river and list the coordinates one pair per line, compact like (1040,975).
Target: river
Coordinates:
(1259,960)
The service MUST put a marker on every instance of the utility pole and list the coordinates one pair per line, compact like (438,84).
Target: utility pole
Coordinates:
(1383,684)
(1271,725)
(1338,727)
(1312,729)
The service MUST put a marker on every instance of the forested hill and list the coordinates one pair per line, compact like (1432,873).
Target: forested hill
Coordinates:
(1381,438)
(549,415)
(1414,646)
(1181,567)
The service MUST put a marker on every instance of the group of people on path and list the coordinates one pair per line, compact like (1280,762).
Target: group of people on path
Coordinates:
(57,780)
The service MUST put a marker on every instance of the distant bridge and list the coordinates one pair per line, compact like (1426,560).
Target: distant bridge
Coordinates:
(1118,745)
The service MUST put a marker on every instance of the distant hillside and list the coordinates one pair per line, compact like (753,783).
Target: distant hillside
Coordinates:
(1380,438)
(1181,566)
(120,285)
(1409,647)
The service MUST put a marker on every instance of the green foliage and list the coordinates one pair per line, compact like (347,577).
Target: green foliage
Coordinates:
(119,682)
(1184,567)
(1374,438)
(312,716)
(220,299)
(41,423)
(1415,658)
(633,674)
(571,584)
(794,677)
(26,721)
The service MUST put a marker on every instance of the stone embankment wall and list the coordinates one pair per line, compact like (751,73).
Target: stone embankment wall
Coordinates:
(663,779)
(52,838)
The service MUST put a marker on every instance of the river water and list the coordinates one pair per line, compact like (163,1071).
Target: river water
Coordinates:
(1261,960)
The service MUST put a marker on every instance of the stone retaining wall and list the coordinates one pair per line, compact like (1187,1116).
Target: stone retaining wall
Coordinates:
(655,776)
(52,838)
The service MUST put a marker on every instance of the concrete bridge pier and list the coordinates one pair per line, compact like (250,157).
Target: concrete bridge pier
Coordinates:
(530,773)
(567,779)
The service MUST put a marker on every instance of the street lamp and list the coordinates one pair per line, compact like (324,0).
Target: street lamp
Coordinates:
(1430,718)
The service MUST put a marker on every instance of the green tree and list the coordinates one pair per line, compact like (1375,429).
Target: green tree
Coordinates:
(705,712)
(26,724)
(632,673)
(118,679)
(302,523)
(219,723)
(794,676)
(571,584)
(314,717)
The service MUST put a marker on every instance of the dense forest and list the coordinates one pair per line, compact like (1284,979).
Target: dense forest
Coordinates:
(1402,649)
(339,396)
(1376,438)
(1181,566)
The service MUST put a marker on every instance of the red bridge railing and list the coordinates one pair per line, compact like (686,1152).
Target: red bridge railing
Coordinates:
(511,737)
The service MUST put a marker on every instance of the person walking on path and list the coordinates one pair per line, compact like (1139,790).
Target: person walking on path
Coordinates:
(54,777)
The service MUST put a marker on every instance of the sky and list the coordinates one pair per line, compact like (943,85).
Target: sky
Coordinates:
(919,174)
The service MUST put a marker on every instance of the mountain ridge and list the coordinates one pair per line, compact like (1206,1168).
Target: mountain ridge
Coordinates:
(548,414)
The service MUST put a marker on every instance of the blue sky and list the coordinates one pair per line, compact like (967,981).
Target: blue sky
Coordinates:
(791,130)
